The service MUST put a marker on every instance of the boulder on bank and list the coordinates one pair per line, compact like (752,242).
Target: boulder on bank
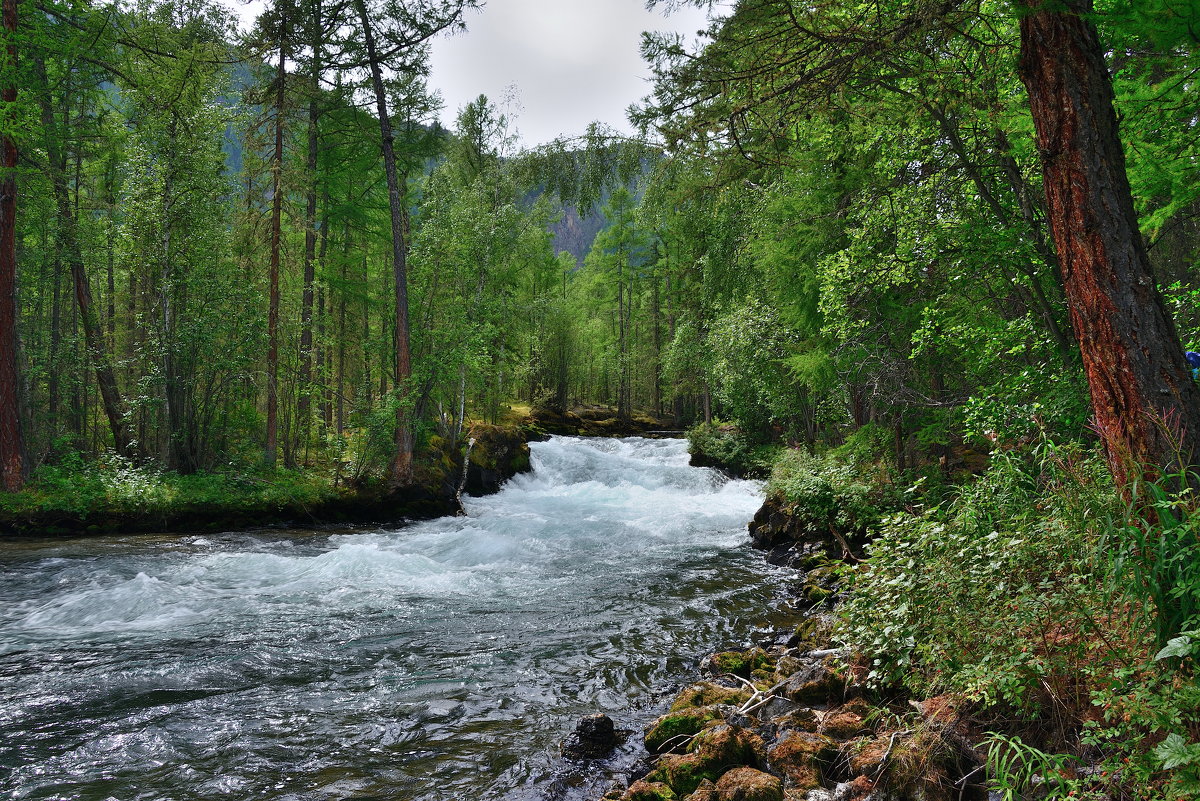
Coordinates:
(811,735)
(799,756)
(499,453)
(674,730)
(711,753)
(748,784)
(648,791)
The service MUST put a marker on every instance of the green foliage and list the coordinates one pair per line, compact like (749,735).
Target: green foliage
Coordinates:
(718,445)
(962,598)
(825,492)
(1158,558)
(866,444)
(115,488)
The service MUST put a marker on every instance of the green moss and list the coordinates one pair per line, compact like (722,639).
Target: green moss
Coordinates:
(663,733)
(684,773)
(711,753)
(812,633)
(742,663)
(520,461)
(707,693)
(648,791)
(817,594)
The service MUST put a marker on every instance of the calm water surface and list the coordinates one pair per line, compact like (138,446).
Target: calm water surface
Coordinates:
(445,660)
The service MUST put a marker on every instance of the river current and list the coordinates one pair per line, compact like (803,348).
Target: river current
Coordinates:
(443,660)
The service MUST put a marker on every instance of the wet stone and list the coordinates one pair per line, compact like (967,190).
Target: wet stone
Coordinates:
(595,736)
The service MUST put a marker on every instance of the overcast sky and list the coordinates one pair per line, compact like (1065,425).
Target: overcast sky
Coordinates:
(552,65)
(570,61)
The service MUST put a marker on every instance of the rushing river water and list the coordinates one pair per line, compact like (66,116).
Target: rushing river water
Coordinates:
(445,660)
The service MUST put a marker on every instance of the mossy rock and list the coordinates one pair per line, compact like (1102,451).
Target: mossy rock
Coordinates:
(729,745)
(648,791)
(705,791)
(741,663)
(671,730)
(844,723)
(801,718)
(748,784)
(712,752)
(519,463)
(863,755)
(812,633)
(816,594)
(683,774)
(707,693)
(819,681)
(800,757)
(763,677)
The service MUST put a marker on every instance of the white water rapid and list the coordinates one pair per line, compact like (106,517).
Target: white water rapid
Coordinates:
(444,660)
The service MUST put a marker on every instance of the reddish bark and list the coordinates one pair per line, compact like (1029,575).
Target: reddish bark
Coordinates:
(1146,405)
(12,474)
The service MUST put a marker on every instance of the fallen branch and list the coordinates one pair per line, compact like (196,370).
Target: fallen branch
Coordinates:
(883,763)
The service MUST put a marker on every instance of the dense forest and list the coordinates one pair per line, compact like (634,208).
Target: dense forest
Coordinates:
(931,259)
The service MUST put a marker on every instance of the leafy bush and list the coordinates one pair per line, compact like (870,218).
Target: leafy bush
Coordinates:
(824,492)
(1057,606)
(727,447)
(990,595)
(1158,557)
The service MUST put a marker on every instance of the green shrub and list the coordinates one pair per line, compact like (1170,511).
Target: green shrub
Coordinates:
(1158,557)
(726,446)
(991,595)
(824,491)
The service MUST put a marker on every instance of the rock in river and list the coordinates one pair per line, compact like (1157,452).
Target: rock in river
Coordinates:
(594,736)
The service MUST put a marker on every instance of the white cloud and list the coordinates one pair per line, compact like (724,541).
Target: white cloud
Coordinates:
(571,61)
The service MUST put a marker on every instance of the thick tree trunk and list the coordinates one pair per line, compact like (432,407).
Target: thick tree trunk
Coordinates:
(402,467)
(1146,405)
(12,452)
(272,444)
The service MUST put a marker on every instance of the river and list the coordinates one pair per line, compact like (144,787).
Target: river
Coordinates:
(444,660)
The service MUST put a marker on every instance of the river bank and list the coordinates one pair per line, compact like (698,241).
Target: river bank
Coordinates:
(793,719)
(116,496)
(1008,632)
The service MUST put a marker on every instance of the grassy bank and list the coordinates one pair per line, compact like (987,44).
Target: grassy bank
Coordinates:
(111,494)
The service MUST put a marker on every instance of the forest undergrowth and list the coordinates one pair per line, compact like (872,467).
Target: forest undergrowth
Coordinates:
(1063,617)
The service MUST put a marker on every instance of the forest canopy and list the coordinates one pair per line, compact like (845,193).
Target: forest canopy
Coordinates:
(233,249)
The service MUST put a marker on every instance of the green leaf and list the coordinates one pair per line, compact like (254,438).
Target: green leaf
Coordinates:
(1175,751)
(1181,647)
